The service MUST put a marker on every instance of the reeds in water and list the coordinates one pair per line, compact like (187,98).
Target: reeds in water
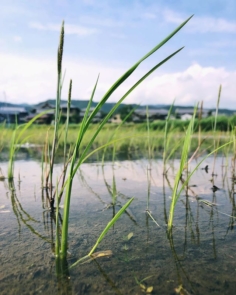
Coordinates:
(79,156)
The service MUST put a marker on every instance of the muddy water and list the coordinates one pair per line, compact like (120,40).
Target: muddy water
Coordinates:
(199,257)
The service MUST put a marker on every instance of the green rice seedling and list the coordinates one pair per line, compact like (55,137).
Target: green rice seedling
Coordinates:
(17,140)
(114,190)
(148,135)
(233,138)
(149,187)
(217,108)
(183,161)
(10,172)
(67,122)
(66,152)
(79,156)
(44,161)
(176,193)
(2,134)
(42,171)
(199,123)
(104,232)
(165,138)
(214,129)
(200,141)
(57,108)
(57,243)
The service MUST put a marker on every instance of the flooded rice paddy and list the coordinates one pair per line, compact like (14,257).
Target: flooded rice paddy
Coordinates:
(199,257)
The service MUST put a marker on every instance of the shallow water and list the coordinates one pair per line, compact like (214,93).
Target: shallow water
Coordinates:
(199,256)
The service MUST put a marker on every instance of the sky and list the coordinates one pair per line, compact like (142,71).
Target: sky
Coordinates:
(107,37)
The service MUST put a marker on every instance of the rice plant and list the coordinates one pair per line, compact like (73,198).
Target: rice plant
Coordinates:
(183,161)
(104,232)
(214,129)
(79,156)
(183,164)
(17,140)
(57,107)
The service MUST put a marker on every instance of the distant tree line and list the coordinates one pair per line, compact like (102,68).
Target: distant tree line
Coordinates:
(224,123)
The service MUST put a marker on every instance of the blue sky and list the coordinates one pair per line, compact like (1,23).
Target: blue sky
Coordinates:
(108,37)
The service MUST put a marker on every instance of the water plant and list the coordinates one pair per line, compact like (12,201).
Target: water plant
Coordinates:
(183,165)
(183,161)
(58,99)
(17,140)
(214,128)
(78,156)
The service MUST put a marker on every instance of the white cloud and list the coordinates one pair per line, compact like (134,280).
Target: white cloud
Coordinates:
(149,15)
(201,24)
(25,79)
(195,84)
(17,39)
(89,2)
(222,43)
(104,22)
(172,17)
(210,24)
(70,29)
(37,82)
(118,36)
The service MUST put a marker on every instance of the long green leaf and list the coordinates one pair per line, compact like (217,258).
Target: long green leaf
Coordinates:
(132,69)
(183,161)
(109,225)
(117,105)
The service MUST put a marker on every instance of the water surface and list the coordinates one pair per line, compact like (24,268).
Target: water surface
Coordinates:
(199,256)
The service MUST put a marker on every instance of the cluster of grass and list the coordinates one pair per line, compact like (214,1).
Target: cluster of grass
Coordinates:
(129,139)
(184,160)
(78,152)
(76,143)
(224,123)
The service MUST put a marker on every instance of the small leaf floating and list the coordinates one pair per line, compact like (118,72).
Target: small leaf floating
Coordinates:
(149,289)
(106,253)
(130,235)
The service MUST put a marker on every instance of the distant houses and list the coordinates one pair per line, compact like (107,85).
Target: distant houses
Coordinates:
(97,118)
(141,115)
(11,115)
(48,111)
(48,114)
(186,114)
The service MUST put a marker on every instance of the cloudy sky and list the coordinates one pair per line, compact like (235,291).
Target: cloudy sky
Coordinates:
(108,37)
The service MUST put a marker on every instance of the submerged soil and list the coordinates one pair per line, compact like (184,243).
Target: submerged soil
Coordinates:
(198,258)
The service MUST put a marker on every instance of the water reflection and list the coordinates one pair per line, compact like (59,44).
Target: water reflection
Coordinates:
(113,192)
(185,285)
(204,228)
(21,215)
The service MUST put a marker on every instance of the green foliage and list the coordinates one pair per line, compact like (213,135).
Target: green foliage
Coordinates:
(105,231)
(223,123)
(88,119)
(183,163)
(17,140)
